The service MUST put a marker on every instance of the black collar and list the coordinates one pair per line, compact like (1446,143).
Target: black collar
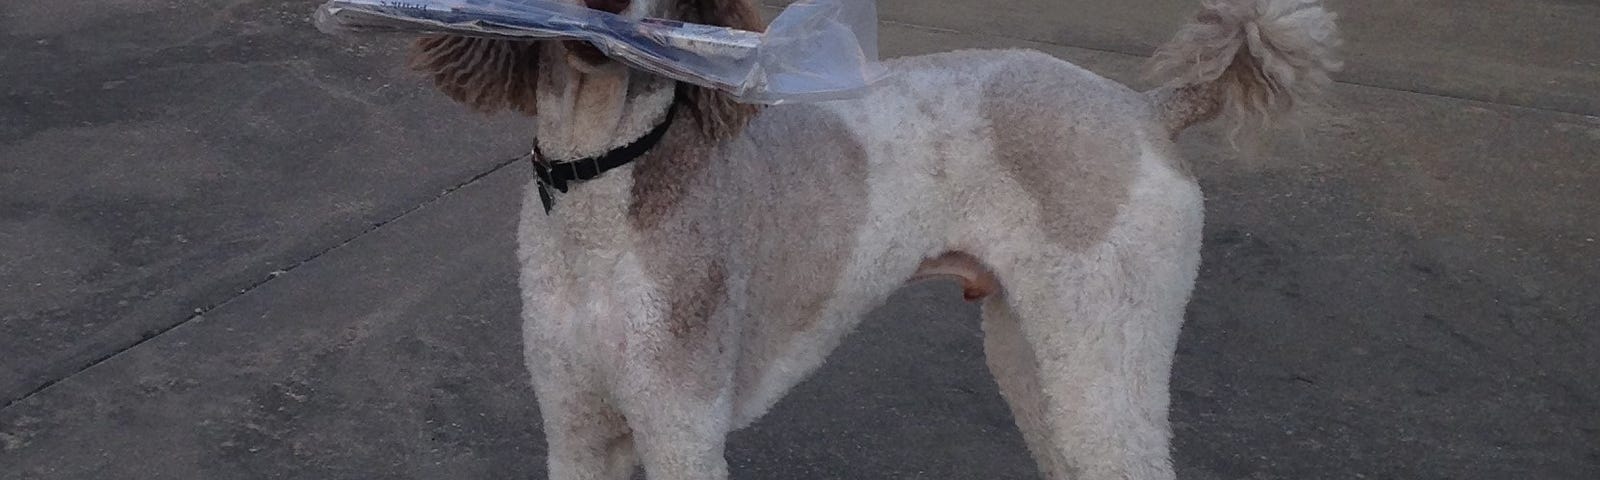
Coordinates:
(558,174)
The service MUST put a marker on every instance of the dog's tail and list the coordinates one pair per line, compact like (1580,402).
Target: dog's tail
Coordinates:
(1253,60)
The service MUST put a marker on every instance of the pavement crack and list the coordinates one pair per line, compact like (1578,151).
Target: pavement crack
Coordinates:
(266,278)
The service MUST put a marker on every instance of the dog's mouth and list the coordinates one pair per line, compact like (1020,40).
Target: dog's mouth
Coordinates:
(582,52)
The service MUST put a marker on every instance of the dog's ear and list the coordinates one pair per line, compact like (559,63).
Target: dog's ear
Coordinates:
(486,74)
(718,114)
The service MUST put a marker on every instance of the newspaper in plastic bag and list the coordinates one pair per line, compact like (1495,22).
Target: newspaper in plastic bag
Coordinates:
(815,50)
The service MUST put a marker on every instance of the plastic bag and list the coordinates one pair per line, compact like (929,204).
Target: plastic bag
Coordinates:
(815,50)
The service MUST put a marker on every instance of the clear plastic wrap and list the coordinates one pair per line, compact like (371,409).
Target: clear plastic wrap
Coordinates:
(815,50)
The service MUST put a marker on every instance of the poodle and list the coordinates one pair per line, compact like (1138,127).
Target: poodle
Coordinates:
(686,259)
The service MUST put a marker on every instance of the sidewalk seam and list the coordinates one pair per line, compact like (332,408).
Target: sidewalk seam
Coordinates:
(274,275)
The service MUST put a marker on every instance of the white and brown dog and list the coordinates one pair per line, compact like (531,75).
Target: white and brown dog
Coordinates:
(708,255)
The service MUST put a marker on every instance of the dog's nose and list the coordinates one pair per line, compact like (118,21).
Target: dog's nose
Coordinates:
(611,6)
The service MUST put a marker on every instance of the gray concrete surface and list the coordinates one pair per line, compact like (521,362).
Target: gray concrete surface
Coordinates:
(1405,292)
(158,157)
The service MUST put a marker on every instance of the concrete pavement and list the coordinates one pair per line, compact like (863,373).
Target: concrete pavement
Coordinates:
(160,157)
(1406,292)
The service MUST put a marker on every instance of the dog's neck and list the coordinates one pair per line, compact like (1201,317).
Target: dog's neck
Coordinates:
(585,113)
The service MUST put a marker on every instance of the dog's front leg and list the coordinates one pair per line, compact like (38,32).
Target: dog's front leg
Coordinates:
(588,438)
(682,439)
(680,427)
(677,390)
(586,432)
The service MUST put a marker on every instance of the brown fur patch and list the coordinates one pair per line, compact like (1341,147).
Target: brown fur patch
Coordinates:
(1075,164)
(692,299)
(660,176)
(807,206)
(485,74)
(781,204)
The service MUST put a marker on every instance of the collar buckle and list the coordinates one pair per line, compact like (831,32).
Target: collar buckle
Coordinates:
(559,175)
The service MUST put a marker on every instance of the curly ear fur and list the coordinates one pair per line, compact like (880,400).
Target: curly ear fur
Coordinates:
(486,74)
(494,74)
(718,114)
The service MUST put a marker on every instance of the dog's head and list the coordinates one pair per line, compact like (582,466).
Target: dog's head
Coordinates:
(490,75)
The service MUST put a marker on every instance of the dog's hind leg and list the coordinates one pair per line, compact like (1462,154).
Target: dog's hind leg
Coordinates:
(1083,358)
(1016,371)
(588,438)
